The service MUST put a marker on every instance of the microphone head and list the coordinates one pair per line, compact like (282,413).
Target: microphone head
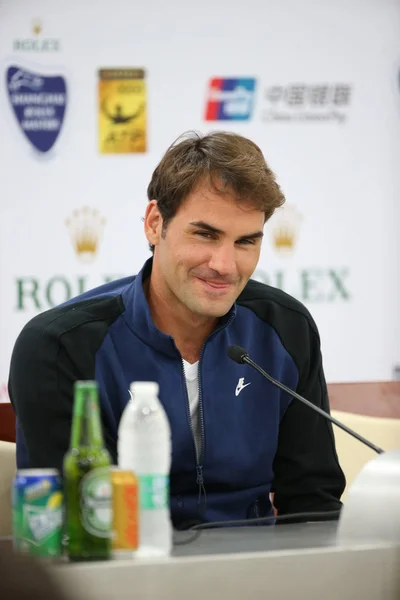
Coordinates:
(237,354)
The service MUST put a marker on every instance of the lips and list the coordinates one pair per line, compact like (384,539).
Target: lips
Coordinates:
(217,286)
(214,286)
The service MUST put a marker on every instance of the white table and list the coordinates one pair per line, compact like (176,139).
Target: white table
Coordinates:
(283,562)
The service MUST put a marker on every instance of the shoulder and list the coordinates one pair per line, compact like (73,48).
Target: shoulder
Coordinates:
(83,322)
(290,320)
(276,307)
(97,305)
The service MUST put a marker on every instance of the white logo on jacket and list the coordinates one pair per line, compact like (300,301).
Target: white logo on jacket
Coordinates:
(240,386)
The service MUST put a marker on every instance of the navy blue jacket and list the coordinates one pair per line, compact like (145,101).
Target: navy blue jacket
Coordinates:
(254,443)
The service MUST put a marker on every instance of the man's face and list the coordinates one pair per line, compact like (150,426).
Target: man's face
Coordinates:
(208,252)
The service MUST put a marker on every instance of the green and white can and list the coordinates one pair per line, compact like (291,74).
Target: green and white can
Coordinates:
(37,512)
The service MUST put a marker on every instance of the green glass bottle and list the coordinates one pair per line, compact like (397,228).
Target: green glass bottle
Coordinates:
(87,480)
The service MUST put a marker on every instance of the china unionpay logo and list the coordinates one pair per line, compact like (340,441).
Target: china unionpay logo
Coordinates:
(39,103)
(230,99)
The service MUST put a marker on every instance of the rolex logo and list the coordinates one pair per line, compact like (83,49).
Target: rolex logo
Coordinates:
(36,27)
(35,42)
(284,229)
(86,227)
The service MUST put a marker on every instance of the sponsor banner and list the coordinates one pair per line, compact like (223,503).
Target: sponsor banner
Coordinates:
(122,111)
(36,86)
(39,103)
(230,99)
(36,40)
(324,113)
(310,283)
(233,99)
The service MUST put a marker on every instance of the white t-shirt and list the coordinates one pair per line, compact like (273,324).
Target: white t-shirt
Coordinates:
(192,384)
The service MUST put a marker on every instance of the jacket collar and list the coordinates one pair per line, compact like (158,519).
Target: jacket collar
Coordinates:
(138,317)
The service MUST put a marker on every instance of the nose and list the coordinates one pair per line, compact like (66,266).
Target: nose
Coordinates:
(223,260)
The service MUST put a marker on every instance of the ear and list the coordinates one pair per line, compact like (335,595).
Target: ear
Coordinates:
(153,223)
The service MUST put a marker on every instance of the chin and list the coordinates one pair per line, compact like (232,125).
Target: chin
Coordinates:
(213,311)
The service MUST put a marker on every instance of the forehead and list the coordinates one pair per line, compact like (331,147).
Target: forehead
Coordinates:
(206,203)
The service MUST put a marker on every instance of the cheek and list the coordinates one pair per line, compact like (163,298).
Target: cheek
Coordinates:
(247,262)
(192,255)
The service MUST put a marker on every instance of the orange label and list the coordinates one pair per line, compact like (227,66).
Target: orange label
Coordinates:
(126,515)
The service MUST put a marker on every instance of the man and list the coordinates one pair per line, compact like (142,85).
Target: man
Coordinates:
(235,437)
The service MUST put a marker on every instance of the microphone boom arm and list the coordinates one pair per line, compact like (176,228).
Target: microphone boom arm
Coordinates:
(245,358)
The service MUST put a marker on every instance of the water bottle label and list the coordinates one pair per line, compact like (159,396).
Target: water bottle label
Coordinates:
(154,491)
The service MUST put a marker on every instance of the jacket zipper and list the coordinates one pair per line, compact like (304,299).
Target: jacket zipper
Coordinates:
(199,453)
(200,479)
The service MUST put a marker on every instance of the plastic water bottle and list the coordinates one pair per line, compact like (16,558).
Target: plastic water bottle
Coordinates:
(144,447)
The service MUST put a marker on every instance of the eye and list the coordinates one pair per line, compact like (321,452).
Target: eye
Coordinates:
(247,242)
(205,234)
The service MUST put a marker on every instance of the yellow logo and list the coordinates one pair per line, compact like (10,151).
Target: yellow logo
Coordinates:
(86,228)
(284,229)
(122,111)
(36,27)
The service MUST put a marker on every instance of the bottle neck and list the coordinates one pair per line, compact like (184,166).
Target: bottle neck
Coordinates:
(86,425)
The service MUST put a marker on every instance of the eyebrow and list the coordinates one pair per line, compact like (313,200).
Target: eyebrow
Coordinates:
(203,225)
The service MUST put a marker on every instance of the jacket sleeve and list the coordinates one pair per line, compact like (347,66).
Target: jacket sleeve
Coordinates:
(307,474)
(44,366)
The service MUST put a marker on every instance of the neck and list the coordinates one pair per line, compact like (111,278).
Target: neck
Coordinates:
(189,330)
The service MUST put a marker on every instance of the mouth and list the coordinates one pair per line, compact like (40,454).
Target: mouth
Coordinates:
(218,288)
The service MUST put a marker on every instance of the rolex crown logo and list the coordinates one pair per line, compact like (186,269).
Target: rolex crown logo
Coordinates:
(285,225)
(86,228)
(36,27)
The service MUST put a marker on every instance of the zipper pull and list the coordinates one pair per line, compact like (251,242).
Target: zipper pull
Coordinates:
(199,479)
(200,482)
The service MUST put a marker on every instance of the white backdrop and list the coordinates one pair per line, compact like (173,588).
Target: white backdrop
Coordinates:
(325,110)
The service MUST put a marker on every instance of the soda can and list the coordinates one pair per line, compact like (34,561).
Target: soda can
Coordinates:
(37,512)
(125,513)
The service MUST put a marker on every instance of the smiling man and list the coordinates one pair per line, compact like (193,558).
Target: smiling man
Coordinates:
(235,438)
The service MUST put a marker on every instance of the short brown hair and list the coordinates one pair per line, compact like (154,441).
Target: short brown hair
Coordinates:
(224,158)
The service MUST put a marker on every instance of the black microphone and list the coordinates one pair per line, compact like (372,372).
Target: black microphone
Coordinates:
(241,356)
